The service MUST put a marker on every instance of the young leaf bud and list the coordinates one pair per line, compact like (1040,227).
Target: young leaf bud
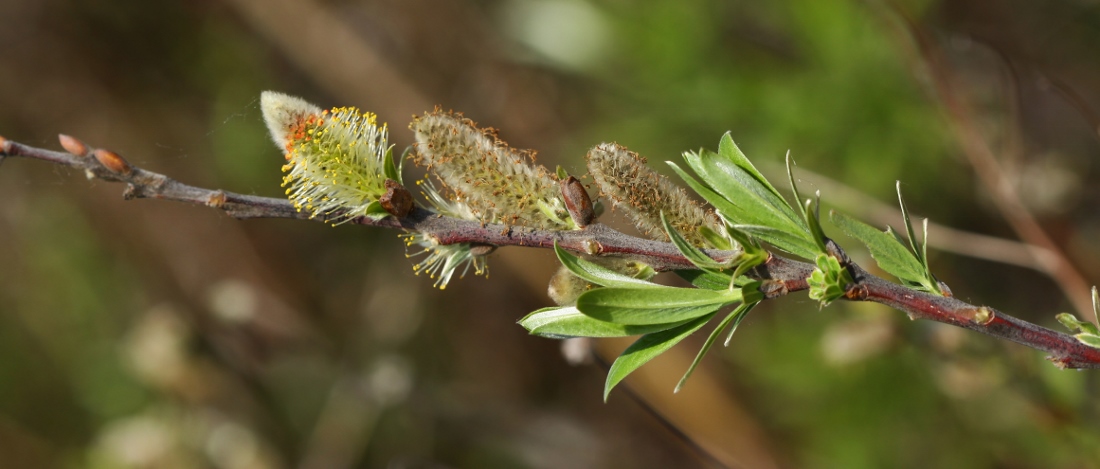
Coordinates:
(495,182)
(643,194)
(72,145)
(112,161)
(577,201)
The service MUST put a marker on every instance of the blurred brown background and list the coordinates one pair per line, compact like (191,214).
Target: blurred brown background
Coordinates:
(151,334)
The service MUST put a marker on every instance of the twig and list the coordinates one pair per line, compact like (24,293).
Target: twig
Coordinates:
(779,275)
(944,238)
(988,170)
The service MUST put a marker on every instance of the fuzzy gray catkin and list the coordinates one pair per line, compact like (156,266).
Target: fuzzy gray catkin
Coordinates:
(643,194)
(498,184)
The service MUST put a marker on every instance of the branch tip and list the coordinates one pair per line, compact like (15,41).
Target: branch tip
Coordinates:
(5,146)
(72,145)
(112,161)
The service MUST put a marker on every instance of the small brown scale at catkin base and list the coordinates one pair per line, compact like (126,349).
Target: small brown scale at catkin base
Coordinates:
(577,201)
(397,200)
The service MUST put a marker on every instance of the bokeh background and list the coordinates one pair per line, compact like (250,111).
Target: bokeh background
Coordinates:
(149,334)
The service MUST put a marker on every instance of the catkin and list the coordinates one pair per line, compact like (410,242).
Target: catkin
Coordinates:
(643,194)
(498,183)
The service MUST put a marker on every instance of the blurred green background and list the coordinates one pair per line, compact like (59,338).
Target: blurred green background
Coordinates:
(150,334)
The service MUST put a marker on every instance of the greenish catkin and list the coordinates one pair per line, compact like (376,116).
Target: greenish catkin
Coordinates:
(623,177)
(499,184)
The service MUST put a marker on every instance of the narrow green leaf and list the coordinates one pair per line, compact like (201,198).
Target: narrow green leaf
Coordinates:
(389,169)
(1075,325)
(756,202)
(597,274)
(375,211)
(749,245)
(737,322)
(784,240)
(715,239)
(1096,304)
(735,314)
(653,305)
(909,226)
(729,149)
(794,187)
(568,321)
(647,347)
(705,279)
(1092,340)
(891,255)
(713,198)
(813,218)
(924,253)
(692,253)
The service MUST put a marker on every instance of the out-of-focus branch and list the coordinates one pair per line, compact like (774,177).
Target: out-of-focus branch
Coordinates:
(779,276)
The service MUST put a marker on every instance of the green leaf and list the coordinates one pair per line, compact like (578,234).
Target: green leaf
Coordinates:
(375,211)
(729,149)
(798,245)
(714,238)
(1096,304)
(1074,325)
(737,321)
(888,251)
(794,187)
(692,253)
(393,170)
(744,197)
(813,219)
(647,347)
(737,314)
(909,227)
(568,321)
(755,202)
(705,279)
(653,305)
(1092,340)
(713,198)
(597,274)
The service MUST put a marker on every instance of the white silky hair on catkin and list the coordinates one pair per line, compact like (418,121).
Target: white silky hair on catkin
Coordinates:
(281,112)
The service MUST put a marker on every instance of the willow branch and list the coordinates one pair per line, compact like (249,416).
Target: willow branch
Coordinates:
(990,173)
(779,275)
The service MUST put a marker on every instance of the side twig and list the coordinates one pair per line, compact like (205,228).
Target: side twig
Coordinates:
(779,275)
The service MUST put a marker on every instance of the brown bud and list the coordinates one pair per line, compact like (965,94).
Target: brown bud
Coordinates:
(397,200)
(216,200)
(112,161)
(4,147)
(577,201)
(72,145)
(478,249)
